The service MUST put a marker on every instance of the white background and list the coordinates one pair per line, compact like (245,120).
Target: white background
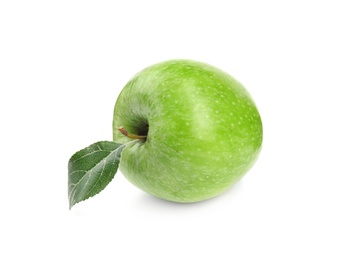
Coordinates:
(62,66)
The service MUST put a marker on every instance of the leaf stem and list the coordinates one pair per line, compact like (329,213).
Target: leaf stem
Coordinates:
(132,136)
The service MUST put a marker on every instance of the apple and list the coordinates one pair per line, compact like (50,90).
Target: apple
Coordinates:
(197,130)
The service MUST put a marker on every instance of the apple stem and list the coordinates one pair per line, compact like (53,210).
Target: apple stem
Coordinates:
(132,136)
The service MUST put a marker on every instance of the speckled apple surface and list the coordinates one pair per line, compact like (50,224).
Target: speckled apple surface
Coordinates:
(203,130)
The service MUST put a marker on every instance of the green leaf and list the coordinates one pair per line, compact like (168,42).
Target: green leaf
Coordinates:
(91,169)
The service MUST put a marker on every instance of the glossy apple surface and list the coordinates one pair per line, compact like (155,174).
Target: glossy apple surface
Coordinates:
(203,130)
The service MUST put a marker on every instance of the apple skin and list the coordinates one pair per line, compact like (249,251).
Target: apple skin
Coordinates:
(203,130)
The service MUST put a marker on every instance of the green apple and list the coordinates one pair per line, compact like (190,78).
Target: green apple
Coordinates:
(197,130)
